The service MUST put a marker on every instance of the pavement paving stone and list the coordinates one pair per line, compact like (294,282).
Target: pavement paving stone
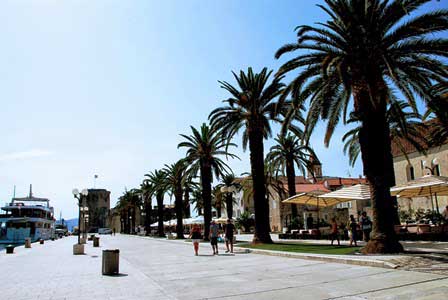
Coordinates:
(161,269)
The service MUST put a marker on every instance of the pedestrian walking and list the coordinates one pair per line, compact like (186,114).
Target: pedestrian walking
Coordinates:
(196,237)
(366,226)
(214,234)
(353,230)
(230,230)
(334,231)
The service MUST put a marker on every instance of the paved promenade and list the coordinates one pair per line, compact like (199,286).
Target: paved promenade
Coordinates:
(161,269)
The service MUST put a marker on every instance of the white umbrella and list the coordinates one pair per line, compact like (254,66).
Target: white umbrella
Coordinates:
(350,193)
(425,186)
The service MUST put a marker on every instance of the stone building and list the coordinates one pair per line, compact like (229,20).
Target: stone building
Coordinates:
(281,213)
(414,165)
(98,202)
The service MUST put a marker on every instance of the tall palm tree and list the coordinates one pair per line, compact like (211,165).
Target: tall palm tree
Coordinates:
(145,190)
(250,108)
(364,52)
(204,149)
(122,208)
(176,176)
(226,188)
(287,154)
(197,201)
(158,188)
(217,200)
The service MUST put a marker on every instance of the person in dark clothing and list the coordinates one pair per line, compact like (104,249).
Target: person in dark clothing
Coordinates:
(309,222)
(229,230)
(366,226)
(353,230)
(196,237)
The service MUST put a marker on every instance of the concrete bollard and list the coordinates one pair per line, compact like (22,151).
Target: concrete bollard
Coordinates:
(41,241)
(82,240)
(111,261)
(10,249)
(96,241)
(78,249)
(27,242)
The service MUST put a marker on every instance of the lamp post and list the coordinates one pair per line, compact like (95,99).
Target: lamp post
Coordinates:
(432,168)
(79,196)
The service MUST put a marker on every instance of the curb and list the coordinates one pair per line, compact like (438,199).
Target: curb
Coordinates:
(332,259)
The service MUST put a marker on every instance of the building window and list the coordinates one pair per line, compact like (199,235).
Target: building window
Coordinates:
(410,172)
(436,170)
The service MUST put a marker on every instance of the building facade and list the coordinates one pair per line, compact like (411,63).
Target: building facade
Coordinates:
(411,164)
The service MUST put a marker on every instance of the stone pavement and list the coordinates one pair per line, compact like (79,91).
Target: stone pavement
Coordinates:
(161,269)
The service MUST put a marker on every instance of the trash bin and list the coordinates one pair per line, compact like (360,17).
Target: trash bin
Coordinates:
(27,242)
(10,249)
(41,241)
(96,241)
(111,260)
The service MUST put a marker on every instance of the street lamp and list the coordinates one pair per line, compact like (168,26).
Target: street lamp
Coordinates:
(79,195)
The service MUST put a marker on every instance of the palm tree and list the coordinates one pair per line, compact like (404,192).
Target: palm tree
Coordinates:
(197,201)
(203,150)
(145,190)
(365,52)
(217,200)
(285,156)
(122,208)
(226,188)
(252,107)
(176,176)
(158,188)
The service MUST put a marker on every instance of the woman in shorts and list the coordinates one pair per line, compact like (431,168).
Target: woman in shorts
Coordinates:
(196,237)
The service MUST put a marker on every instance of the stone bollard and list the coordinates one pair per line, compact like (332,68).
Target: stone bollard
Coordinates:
(96,241)
(82,240)
(111,259)
(41,241)
(27,242)
(78,249)
(9,249)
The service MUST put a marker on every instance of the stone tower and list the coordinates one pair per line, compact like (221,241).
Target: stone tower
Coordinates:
(316,169)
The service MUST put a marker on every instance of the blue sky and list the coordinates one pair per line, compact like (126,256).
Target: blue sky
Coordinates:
(105,87)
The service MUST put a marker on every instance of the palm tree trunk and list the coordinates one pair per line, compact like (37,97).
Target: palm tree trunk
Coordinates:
(187,202)
(291,175)
(374,139)
(147,217)
(160,215)
(179,212)
(262,227)
(229,205)
(206,178)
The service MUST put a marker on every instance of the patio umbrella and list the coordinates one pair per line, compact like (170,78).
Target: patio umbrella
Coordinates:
(425,186)
(355,192)
(311,198)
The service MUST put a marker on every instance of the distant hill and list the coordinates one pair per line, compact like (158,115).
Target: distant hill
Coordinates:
(69,223)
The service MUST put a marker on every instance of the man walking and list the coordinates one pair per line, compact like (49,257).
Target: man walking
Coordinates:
(214,234)
(366,226)
(230,229)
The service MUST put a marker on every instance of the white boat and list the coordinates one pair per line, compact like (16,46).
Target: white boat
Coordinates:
(28,217)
